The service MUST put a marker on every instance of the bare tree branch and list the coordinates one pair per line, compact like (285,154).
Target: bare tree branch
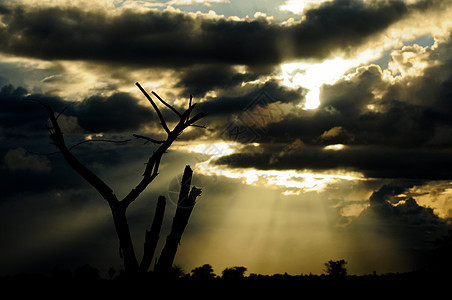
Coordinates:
(35,100)
(162,120)
(197,117)
(56,135)
(64,109)
(148,139)
(166,104)
(199,126)
(43,154)
(189,107)
(100,140)
(151,170)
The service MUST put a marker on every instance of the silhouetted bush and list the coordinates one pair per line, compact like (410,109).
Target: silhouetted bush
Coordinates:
(336,268)
(234,273)
(203,272)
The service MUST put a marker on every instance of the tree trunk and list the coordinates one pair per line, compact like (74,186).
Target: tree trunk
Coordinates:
(152,236)
(184,208)
(126,250)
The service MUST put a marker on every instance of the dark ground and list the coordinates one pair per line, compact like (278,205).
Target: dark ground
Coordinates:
(399,285)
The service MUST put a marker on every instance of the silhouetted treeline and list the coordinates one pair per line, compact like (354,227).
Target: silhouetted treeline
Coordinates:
(205,272)
(437,267)
(203,283)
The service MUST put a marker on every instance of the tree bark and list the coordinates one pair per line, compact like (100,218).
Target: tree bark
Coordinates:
(152,236)
(185,206)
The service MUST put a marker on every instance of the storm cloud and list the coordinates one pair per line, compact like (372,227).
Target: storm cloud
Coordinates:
(116,113)
(370,161)
(385,129)
(173,39)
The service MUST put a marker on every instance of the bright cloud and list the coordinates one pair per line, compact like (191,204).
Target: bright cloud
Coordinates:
(297,6)
(313,75)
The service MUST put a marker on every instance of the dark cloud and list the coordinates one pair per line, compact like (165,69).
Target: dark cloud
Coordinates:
(393,120)
(399,129)
(21,117)
(399,227)
(23,183)
(402,217)
(203,78)
(174,39)
(23,128)
(371,161)
(363,110)
(117,113)
(249,97)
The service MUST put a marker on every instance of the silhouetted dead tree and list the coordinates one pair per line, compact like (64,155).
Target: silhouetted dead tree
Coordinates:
(119,207)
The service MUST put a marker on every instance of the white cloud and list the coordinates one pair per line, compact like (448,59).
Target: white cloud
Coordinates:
(297,6)
(435,195)
(410,60)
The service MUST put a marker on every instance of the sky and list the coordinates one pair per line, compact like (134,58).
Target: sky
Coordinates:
(328,134)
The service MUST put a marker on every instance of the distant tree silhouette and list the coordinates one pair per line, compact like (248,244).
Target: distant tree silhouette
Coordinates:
(119,207)
(336,268)
(233,273)
(203,272)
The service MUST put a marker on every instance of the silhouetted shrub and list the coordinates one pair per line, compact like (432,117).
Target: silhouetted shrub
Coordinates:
(234,273)
(203,272)
(336,268)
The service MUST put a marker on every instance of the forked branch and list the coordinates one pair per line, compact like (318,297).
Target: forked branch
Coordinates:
(151,170)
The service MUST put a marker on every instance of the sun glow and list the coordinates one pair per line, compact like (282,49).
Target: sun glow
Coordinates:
(334,147)
(313,75)
(292,181)
(215,149)
(297,6)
